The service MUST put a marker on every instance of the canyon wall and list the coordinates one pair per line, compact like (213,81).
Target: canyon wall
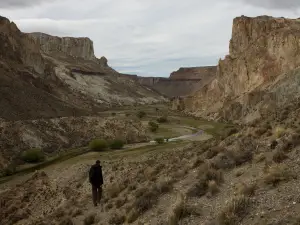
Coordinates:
(193,73)
(262,50)
(74,47)
(183,82)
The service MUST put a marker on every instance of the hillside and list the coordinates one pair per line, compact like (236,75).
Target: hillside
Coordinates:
(259,74)
(45,76)
(183,82)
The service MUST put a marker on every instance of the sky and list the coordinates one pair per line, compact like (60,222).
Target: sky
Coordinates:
(146,37)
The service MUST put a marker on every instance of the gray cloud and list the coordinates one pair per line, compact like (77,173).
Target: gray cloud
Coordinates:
(146,37)
(19,3)
(274,4)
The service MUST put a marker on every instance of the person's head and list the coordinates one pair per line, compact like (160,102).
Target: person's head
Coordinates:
(98,162)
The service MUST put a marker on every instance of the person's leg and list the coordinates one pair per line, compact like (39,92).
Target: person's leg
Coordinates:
(94,193)
(99,196)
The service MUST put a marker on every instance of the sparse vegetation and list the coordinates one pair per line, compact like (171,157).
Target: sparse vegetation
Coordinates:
(34,155)
(153,126)
(117,219)
(98,145)
(279,156)
(162,119)
(247,189)
(141,114)
(279,132)
(116,144)
(235,211)
(159,140)
(90,219)
(276,174)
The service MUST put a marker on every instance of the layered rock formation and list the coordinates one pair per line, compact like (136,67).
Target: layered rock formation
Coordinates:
(75,47)
(194,73)
(262,49)
(183,82)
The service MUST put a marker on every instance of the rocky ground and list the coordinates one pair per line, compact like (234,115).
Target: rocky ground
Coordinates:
(246,177)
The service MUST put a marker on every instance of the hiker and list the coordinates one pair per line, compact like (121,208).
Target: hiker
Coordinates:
(96,180)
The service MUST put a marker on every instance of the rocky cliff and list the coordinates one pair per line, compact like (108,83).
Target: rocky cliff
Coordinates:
(262,50)
(183,82)
(74,47)
(194,73)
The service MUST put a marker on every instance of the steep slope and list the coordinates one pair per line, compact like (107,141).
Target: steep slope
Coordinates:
(183,82)
(263,51)
(45,76)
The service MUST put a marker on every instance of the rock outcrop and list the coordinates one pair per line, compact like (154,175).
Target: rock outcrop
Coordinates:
(194,73)
(262,50)
(183,82)
(74,47)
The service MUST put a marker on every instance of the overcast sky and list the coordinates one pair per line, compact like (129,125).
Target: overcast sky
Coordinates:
(146,37)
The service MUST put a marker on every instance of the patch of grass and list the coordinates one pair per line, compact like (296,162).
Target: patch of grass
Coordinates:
(116,144)
(246,189)
(117,219)
(159,140)
(212,187)
(90,219)
(279,156)
(120,202)
(162,119)
(276,174)
(34,155)
(234,212)
(98,145)
(114,190)
(206,176)
(153,126)
(177,210)
(141,114)
(212,152)
(279,132)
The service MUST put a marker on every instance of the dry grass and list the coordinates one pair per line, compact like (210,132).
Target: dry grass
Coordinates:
(233,213)
(276,174)
(206,175)
(246,189)
(132,216)
(279,156)
(117,219)
(90,219)
(259,157)
(212,152)
(177,210)
(115,189)
(120,202)
(146,197)
(279,132)
(66,221)
(213,187)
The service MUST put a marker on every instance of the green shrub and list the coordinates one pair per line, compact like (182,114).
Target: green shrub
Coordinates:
(113,114)
(153,126)
(162,119)
(98,145)
(159,140)
(141,114)
(116,144)
(33,155)
(9,170)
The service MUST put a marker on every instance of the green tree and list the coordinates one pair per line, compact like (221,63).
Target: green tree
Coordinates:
(117,144)
(33,155)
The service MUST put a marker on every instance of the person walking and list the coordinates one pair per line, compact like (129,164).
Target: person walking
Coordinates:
(96,180)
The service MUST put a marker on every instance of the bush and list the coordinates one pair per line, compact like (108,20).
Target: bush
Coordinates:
(141,114)
(162,119)
(34,155)
(117,144)
(159,140)
(113,114)
(10,170)
(279,132)
(153,126)
(98,145)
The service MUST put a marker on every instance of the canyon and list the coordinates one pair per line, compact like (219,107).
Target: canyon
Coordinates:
(259,74)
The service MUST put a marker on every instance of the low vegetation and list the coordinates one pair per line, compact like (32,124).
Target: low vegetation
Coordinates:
(159,140)
(141,114)
(116,144)
(153,126)
(98,145)
(162,119)
(34,155)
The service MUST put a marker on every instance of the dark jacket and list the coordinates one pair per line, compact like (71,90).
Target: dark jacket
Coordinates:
(95,175)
